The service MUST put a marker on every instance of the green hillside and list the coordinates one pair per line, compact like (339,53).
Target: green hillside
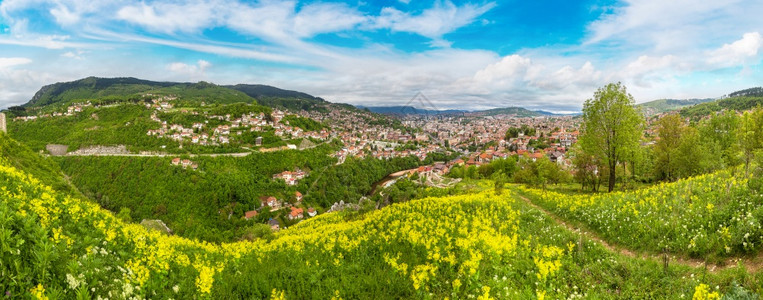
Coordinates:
(665,105)
(517,111)
(127,124)
(735,103)
(107,90)
(480,245)
(738,101)
(285,99)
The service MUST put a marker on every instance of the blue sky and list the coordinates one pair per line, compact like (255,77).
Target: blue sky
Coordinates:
(543,54)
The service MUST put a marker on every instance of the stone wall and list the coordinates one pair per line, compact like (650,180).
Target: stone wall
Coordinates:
(56,150)
(101,150)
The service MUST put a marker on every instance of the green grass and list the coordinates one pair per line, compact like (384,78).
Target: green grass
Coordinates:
(709,216)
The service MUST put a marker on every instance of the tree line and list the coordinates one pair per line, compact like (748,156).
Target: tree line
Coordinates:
(613,146)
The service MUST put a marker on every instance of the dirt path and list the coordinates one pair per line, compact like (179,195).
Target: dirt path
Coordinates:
(752,264)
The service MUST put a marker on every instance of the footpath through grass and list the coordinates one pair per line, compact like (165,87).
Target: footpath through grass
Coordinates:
(711,217)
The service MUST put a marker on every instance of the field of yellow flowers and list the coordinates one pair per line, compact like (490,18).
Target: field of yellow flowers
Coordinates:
(711,215)
(57,246)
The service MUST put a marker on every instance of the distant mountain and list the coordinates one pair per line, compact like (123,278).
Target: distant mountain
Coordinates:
(751,92)
(128,88)
(258,91)
(408,110)
(738,101)
(516,111)
(665,105)
(275,97)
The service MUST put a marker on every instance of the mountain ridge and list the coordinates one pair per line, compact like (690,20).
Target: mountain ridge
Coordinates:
(410,110)
(132,88)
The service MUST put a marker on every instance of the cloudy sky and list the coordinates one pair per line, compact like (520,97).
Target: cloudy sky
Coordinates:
(537,54)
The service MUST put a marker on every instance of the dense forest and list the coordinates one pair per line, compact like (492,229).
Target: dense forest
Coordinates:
(197,204)
(190,201)
(738,103)
(125,124)
(107,90)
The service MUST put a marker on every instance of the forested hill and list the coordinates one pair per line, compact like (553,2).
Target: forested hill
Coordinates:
(665,105)
(259,91)
(91,87)
(751,92)
(518,111)
(739,101)
(107,90)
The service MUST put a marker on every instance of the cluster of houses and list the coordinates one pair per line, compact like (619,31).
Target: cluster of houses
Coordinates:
(160,103)
(295,212)
(185,163)
(201,134)
(291,177)
(70,111)
(365,148)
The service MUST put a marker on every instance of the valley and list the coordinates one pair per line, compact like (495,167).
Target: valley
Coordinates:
(154,195)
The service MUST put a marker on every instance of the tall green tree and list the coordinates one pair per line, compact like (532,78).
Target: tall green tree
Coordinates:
(721,133)
(692,157)
(670,128)
(611,125)
(751,135)
(586,168)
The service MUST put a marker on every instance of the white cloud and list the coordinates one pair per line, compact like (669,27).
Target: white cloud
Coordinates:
(64,16)
(193,72)
(8,62)
(737,53)
(319,18)
(586,77)
(172,17)
(434,22)
(511,68)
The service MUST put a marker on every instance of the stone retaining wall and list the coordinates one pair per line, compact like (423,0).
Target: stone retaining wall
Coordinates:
(56,150)
(101,150)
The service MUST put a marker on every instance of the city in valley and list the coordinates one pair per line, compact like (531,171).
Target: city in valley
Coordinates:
(456,149)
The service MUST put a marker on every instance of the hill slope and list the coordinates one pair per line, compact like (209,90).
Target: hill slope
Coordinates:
(92,88)
(517,111)
(258,91)
(664,105)
(59,246)
(408,110)
(739,101)
(115,89)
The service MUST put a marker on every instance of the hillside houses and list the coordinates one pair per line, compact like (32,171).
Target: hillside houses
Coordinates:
(185,163)
(296,213)
(291,178)
(272,202)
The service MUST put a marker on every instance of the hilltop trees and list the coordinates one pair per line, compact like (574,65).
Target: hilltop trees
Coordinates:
(720,133)
(669,130)
(611,125)
(751,135)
